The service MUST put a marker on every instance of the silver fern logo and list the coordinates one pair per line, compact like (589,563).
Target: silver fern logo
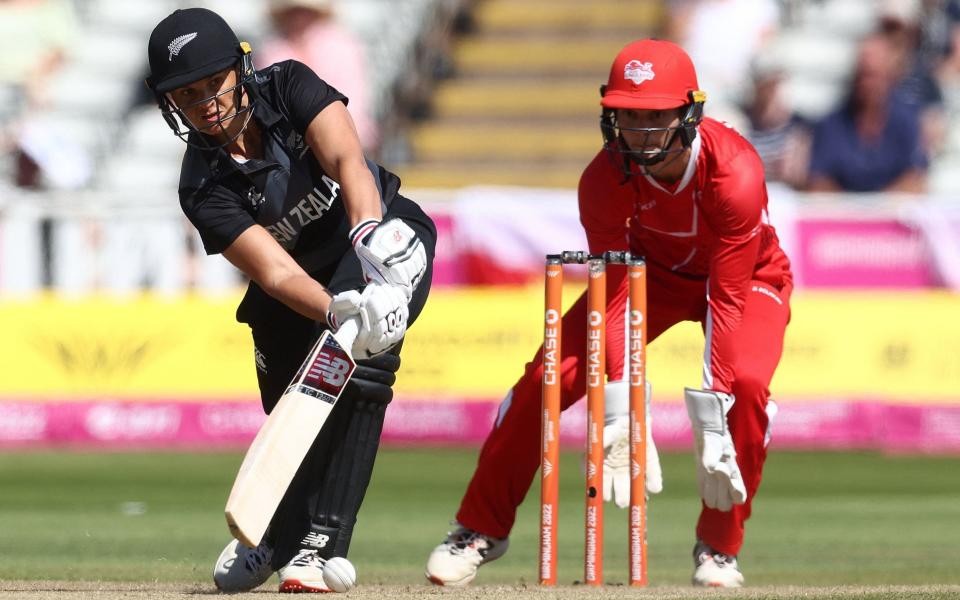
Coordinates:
(178,43)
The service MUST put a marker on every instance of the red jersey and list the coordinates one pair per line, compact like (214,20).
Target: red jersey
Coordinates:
(709,225)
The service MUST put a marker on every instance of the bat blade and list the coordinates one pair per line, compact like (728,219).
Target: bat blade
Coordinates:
(285,437)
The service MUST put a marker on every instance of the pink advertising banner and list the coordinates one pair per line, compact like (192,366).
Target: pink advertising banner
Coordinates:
(839,424)
(447,269)
(862,254)
(866,242)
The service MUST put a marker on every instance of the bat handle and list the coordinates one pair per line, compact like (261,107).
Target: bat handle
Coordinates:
(348,332)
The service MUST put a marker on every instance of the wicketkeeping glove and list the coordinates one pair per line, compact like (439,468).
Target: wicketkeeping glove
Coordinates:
(390,252)
(718,474)
(616,447)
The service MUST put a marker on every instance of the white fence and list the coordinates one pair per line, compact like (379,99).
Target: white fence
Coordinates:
(77,243)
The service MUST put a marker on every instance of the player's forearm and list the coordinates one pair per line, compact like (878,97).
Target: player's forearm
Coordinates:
(302,293)
(360,196)
(262,259)
(730,274)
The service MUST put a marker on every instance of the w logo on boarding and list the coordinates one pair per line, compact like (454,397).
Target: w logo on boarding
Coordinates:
(178,43)
(547,468)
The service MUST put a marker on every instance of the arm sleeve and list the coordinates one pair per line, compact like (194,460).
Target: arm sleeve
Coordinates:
(218,216)
(303,93)
(604,219)
(737,218)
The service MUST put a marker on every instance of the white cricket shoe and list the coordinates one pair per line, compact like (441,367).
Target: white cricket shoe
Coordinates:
(715,569)
(456,560)
(304,573)
(241,569)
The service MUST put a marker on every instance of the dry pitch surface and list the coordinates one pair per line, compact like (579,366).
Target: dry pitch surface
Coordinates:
(43,590)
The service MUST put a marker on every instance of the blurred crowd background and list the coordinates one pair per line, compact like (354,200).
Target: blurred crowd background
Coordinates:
(853,96)
(120,330)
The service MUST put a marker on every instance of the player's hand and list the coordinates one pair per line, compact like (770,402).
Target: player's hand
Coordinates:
(391,253)
(616,447)
(718,474)
(383,315)
(343,306)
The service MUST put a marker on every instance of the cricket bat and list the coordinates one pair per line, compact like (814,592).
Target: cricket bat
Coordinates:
(287,434)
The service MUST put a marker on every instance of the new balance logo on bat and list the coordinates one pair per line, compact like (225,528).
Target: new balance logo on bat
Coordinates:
(332,370)
(178,43)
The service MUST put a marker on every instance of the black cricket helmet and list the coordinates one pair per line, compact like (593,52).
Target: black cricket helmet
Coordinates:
(187,46)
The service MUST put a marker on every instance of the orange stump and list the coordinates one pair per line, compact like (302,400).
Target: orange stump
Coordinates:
(596,369)
(637,275)
(550,420)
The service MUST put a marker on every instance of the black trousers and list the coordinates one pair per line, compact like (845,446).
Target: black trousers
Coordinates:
(321,505)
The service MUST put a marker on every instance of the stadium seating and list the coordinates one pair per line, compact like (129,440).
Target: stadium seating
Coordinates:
(523,107)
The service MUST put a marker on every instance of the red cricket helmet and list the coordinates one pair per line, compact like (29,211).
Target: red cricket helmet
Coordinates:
(651,75)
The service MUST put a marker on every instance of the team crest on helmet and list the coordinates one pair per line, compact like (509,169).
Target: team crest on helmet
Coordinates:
(638,72)
(178,43)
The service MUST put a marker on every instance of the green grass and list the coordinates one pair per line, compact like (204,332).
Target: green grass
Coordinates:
(821,519)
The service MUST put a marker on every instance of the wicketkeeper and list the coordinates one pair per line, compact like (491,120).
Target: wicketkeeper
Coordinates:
(274,179)
(687,193)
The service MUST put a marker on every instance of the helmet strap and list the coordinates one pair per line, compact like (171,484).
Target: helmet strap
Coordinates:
(692,117)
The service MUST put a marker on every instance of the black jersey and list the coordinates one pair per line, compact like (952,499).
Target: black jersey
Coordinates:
(287,191)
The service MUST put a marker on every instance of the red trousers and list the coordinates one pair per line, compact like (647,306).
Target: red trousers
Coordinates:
(510,456)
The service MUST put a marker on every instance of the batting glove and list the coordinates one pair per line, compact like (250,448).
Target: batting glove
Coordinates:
(383,314)
(390,252)
(343,306)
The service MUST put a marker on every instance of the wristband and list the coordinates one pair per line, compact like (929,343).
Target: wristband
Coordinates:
(332,321)
(362,231)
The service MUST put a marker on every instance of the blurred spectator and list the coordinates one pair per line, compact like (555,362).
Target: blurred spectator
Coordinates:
(937,19)
(722,37)
(780,137)
(949,68)
(308,31)
(34,35)
(948,71)
(873,142)
(900,24)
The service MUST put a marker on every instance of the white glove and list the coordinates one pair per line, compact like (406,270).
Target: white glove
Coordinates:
(383,316)
(390,253)
(616,447)
(718,474)
(343,306)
